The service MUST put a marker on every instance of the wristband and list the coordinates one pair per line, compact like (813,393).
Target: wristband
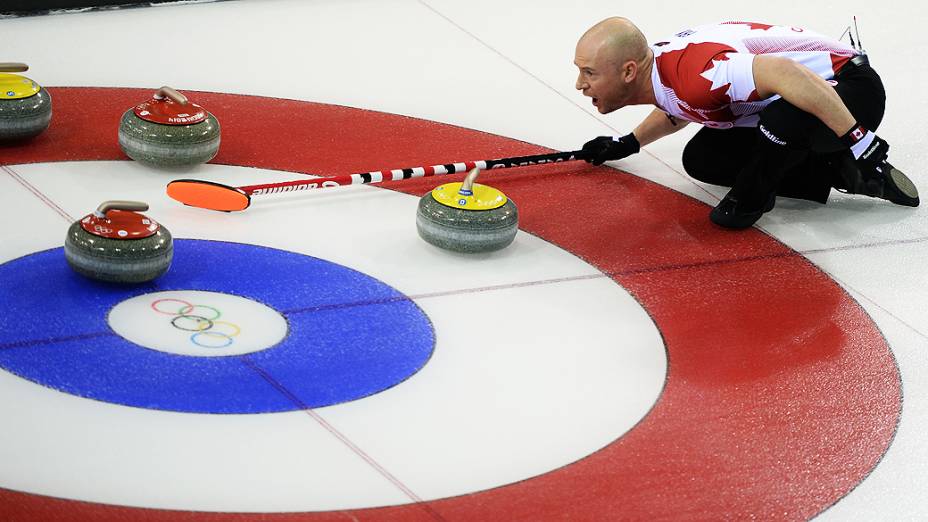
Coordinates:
(858,139)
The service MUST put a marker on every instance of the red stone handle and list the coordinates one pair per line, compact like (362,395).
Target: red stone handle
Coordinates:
(168,92)
(117,204)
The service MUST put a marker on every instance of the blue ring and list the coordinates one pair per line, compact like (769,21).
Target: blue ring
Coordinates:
(350,335)
(193,339)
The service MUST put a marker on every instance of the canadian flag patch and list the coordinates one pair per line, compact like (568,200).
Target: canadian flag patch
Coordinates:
(858,134)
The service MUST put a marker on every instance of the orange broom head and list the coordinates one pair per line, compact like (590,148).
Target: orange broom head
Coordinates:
(209,195)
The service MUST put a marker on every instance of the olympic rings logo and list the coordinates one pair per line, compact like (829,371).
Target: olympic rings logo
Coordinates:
(202,320)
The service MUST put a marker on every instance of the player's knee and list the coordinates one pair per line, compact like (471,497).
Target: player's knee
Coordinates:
(693,159)
(697,162)
(784,124)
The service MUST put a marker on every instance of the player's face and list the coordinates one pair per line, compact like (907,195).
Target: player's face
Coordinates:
(601,79)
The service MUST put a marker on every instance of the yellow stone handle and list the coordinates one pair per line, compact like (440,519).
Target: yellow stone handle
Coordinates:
(13,67)
(168,92)
(117,204)
(467,188)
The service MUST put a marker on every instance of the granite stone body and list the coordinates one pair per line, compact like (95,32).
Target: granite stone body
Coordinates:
(24,118)
(118,260)
(466,231)
(168,145)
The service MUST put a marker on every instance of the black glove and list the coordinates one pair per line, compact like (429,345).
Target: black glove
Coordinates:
(874,157)
(607,148)
(870,159)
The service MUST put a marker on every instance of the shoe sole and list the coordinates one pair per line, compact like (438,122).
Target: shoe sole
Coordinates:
(903,183)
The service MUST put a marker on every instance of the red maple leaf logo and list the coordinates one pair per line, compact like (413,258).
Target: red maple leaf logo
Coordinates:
(682,71)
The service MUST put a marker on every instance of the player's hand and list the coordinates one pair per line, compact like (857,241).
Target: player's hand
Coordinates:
(869,151)
(608,148)
(874,156)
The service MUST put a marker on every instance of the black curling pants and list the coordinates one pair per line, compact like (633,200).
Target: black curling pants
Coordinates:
(800,160)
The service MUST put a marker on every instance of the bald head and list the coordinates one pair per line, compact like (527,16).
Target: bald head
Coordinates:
(615,64)
(614,40)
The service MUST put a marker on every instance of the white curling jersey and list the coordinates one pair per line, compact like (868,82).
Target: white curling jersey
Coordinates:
(705,74)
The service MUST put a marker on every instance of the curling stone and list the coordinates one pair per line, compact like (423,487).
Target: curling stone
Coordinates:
(25,107)
(467,217)
(169,131)
(119,245)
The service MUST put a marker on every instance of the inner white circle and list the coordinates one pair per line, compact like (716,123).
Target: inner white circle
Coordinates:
(540,360)
(198,323)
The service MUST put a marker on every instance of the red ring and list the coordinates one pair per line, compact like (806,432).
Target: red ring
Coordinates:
(781,394)
(155,307)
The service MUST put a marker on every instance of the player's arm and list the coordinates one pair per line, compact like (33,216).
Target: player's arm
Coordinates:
(654,127)
(803,88)
(657,125)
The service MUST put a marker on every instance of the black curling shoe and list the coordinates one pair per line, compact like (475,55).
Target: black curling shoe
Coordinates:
(729,213)
(881,181)
(891,185)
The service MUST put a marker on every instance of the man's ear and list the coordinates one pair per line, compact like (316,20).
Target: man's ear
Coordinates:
(629,71)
